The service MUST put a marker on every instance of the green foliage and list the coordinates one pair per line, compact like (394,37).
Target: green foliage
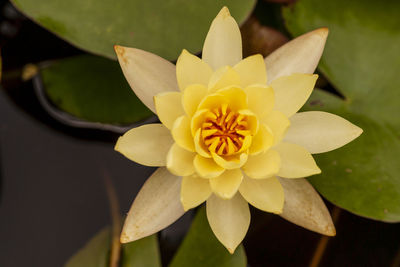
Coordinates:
(158,26)
(143,252)
(94,89)
(201,248)
(361,60)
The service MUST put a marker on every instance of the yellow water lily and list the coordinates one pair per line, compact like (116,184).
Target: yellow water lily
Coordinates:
(229,134)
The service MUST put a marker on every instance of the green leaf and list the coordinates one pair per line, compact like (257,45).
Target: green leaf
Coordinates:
(95,253)
(201,248)
(361,60)
(143,252)
(161,27)
(94,89)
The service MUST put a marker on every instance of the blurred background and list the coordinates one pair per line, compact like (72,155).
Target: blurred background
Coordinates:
(64,102)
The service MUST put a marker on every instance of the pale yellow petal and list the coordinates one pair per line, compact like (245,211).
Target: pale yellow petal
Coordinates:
(230,162)
(146,73)
(156,206)
(296,161)
(191,70)
(206,167)
(278,123)
(236,97)
(223,44)
(263,165)
(291,92)
(227,184)
(147,145)
(300,55)
(169,107)
(180,161)
(320,132)
(200,146)
(192,96)
(252,71)
(229,220)
(262,141)
(251,119)
(304,207)
(223,77)
(260,99)
(182,134)
(264,194)
(194,191)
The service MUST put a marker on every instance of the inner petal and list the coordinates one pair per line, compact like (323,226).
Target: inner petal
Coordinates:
(227,131)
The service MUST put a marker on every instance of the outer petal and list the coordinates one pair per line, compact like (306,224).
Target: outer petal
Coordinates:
(169,107)
(192,96)
(206,167)
(180,161)
(263,165)
(261,99)
(304,207)
(320,132)
(262,140)
(223,44)
(296,161)
(264,194)
(194,191)
(291,92)
(252,71)
(146,73)
(278,123)
(147,144)
(229,220)
(227,184)
(182,134)
(191,70)
(156,206)
(300,55)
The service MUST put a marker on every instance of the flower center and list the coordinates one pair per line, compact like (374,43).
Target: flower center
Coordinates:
(224,130)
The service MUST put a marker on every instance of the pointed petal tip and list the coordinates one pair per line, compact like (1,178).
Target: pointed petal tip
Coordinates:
(224,13)
(323,32)
(119,50)
(330,230)
(124,238)
(231,250)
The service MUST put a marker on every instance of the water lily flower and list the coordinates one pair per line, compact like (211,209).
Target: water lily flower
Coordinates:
(229,134)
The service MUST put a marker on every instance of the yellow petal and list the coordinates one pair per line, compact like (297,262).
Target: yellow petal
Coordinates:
(169,107)
(180,161)
(229,220)
(156,206)
(260,99)
(263,165)
(223,77)
(200,146)
(206,167)
(147,144)
(278,123)
(146,73)
(198,118)
(291,92)
(264,194)
(223,44)
(303,206)
(296,161)
(227,184)
(191,70)
(300,55)
(182,134)
(230,162)
(252,121)
(252,71)
(262,141)
(236,97)
(320,132)
(194,191)
(192,96)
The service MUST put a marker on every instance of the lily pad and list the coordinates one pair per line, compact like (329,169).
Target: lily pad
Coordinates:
(94,89)
(161,27)
(361,60)
(201,248)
